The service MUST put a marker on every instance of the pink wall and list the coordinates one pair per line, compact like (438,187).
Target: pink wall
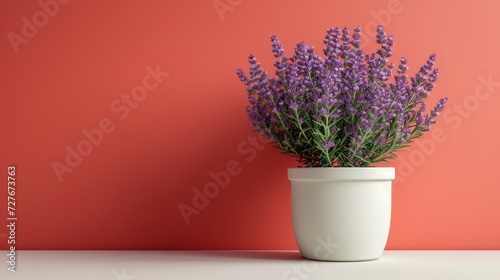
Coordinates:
(88,65)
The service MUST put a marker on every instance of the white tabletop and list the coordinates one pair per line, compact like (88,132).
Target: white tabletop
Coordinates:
(247,265)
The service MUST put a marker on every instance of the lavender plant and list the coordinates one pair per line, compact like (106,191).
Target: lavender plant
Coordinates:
(345,109)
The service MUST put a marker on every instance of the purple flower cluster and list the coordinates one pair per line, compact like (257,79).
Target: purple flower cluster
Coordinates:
(345,108)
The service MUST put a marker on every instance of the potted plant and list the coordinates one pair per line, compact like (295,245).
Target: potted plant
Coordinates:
(339,114)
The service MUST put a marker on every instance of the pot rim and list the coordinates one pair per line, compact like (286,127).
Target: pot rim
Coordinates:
(341,174)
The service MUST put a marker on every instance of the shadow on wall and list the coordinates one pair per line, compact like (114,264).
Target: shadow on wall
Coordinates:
(236,183)
(240,175)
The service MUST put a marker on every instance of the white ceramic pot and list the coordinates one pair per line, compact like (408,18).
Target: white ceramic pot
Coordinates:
(341,213)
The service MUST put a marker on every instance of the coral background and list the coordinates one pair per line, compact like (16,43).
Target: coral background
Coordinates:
(126,193)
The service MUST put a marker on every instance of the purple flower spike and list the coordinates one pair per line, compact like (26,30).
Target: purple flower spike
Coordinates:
(277,47)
